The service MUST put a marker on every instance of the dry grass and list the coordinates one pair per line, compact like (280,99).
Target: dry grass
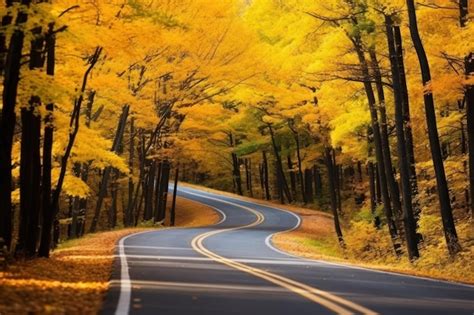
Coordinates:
(75,279)
(315,239)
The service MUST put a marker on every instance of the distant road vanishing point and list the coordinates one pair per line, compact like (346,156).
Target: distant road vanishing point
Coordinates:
(232,268)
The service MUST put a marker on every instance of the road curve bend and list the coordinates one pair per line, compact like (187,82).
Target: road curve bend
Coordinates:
(232,268)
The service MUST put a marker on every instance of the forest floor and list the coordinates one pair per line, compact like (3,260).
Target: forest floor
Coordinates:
(315,239)
(75,278)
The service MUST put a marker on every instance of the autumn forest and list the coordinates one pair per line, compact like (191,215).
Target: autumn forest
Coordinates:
(362,109)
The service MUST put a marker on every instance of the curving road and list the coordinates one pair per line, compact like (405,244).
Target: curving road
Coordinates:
(232,268)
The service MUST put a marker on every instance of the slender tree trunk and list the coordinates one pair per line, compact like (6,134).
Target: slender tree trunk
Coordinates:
(469,95)
(332,192)
(30,163)
(149,190)
(469,103)
(378,145)
(7,19)
(74,129)
(8,121)
(157,183)
(131,186)
(265,175)
(308,179)
(236,168)
(373,196)
(163,194)
(279,165)
(250,177)
(392,183)
(300,166)
(175,192)
(404,164)
(114,195)
(292,176)
(442,184)
(47,206)
(406,118)
(318,186)
(108,170)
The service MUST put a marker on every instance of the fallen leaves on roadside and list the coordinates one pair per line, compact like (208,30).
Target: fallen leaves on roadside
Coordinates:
(75,278)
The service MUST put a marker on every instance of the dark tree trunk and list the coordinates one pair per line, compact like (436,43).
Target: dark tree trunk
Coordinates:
(74,125)
(30,180)
(292,176)
(114,195)
(6,21)
(406,118)
(378,189)
(373,196)
(8,121)
(236,168)
(337,182)
(332,192)
(262,180)
(359,171)
(463,12)
(280,173)
(131,186)
(156,185)
(378,145)
(175,193)
(469,103)
(392,183)
(149,190)
(308,185)
(248,176)
(300,162)
(469,95)
(403,161)
(30,160)
(163,193)
(442,184)
(265,175)
(108,170)
(47,206)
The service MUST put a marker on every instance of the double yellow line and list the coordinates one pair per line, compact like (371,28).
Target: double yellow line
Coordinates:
(328,300)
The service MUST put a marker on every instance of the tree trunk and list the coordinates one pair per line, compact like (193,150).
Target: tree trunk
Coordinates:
(332,192)
(74,129)
(131,186)
(47,206)
(292,176)
(373,196)
(392,183)
(378,145)
(442,184)
(149,190)
(175,193)
(163,193)
(265,175)
(8,121)
(108,170)
(236,168)
(403,161)
(279,166)
(407,118)
(30,163)
(6,21)
(308,185)
(469,95)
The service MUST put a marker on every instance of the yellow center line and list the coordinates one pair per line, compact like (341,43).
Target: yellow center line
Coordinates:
(318,296)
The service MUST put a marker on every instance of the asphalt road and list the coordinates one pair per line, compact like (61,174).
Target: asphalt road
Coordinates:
(232,268)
